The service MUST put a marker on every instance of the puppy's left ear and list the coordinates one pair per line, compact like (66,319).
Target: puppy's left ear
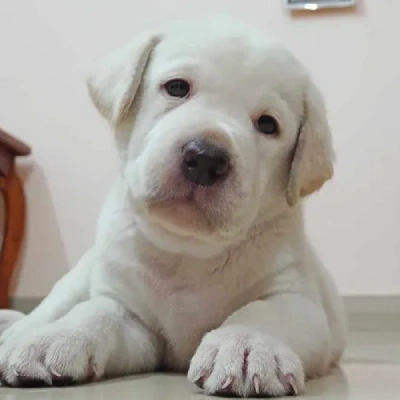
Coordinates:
(312,162)
(114,82)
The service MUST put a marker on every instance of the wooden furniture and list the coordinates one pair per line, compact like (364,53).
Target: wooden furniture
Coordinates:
(14,210)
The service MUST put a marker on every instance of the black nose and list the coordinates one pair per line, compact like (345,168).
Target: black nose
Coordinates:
(204,163)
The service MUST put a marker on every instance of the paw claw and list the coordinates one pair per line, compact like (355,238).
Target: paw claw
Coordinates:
(227,383)
(55,373)
(60,380)
(92,372)
(291,382)
(256,383)
(200,379)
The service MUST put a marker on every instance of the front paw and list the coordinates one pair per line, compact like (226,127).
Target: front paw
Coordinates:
(242,362)
(8,318)
(55,355)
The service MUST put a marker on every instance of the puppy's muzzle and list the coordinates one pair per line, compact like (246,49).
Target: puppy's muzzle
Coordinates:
(204,163)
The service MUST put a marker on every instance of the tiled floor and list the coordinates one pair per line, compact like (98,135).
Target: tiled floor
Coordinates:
(370,371)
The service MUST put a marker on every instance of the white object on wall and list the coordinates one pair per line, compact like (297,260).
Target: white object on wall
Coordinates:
(314,5)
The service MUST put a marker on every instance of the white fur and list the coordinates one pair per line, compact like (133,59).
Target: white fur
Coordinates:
(226,280)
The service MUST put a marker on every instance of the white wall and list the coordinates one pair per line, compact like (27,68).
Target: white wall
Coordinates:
(45,47)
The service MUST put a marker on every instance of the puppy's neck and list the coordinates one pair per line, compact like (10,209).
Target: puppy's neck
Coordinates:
(288,222)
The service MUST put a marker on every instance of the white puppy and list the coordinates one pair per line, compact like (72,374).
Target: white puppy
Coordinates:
(200,261)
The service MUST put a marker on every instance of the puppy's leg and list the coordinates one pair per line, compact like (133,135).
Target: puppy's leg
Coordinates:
(97,337)
(268,348)
(69,291)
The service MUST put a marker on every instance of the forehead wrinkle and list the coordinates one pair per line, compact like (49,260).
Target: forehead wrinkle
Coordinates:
(175,67)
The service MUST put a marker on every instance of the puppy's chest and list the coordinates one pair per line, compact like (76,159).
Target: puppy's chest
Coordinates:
(180,297)
(187,304)
(198,294)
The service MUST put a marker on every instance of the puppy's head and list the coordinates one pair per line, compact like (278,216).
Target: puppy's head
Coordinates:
(218,128)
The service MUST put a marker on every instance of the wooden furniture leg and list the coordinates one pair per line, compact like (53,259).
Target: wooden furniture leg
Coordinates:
(14,213)
(14,210)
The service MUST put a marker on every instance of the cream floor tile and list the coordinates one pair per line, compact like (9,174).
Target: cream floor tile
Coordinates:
(370,371)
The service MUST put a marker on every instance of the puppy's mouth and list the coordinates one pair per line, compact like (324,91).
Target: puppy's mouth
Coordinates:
(185,214)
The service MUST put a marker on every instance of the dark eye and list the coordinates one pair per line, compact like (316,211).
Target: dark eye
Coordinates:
(267,125)
(177,88)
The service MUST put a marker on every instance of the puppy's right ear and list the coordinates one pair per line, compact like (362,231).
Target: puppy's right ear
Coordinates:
(114,82)
(313,157)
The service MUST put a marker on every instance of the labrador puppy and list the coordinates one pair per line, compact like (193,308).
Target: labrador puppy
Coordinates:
(200,262)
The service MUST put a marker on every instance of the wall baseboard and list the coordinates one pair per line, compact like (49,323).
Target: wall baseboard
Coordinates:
(25,304)
(365,313)
(372,304)
(373,313)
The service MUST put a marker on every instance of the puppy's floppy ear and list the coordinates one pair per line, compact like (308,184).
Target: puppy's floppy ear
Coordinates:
(114,82)
(312,162)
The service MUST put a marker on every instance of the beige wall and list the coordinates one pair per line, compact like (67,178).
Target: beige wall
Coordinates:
(47,45)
